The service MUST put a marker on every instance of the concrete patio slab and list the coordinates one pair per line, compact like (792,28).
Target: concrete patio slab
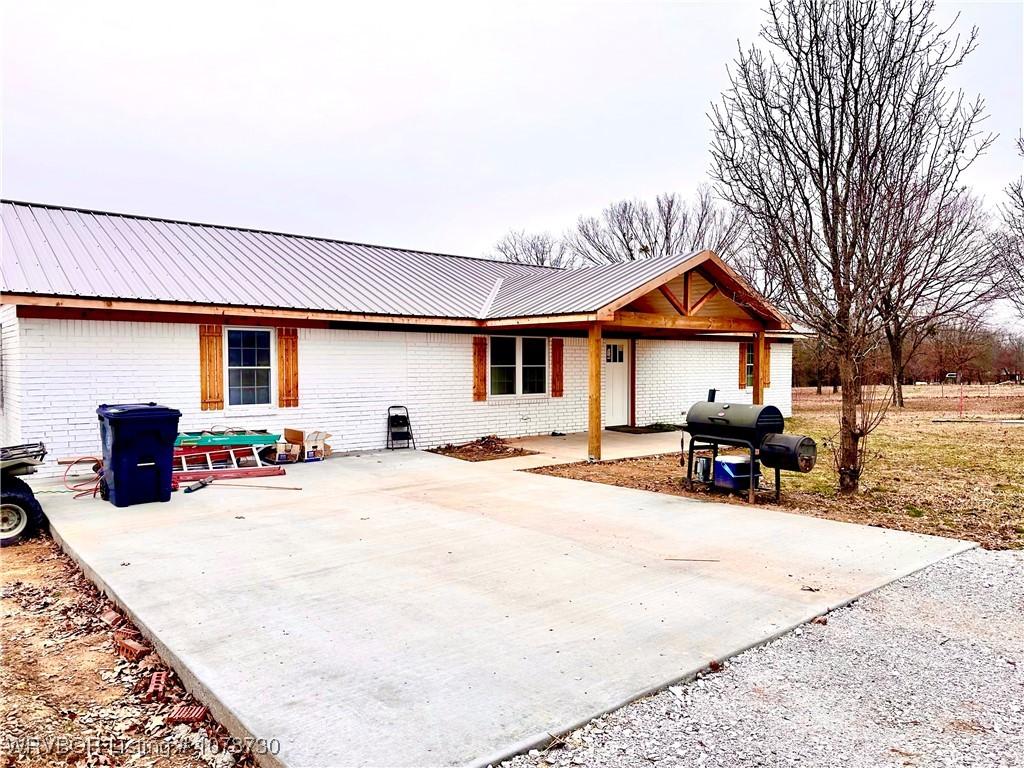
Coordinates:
(567,449)
(409,609)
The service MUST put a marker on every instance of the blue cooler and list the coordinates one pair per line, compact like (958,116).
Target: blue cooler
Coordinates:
(732,473)
(138,450)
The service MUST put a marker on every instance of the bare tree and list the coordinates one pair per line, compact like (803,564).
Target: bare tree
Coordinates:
(539,249)
(819,140)
(1010,242)
(633,229)
(943,266)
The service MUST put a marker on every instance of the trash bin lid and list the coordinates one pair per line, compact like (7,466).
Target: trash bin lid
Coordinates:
(135,411)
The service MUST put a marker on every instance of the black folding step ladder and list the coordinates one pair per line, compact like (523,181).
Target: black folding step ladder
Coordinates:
(399,428)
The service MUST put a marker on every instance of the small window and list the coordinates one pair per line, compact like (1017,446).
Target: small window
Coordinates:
(535,366)
(503,365)
(248,367)
(518,366)
(750,365)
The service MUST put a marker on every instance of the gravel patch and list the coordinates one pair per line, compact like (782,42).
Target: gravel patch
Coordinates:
(928,671)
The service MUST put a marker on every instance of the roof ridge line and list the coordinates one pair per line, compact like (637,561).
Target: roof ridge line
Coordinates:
(486,308)
(120,214)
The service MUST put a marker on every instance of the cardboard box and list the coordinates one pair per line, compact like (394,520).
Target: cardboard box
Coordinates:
(287,453)
(312,444)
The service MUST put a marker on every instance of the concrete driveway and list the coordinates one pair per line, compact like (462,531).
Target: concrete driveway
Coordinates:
(408,609)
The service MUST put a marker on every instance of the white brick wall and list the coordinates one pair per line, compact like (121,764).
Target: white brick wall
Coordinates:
(347,379)
(10,376)
(672,375)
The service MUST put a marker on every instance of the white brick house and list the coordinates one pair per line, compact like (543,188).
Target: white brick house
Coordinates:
(244,328)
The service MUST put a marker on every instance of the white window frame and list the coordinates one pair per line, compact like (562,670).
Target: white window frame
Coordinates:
(250,407)
(518,393)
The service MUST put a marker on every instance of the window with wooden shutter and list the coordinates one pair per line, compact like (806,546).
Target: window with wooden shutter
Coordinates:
(211,367)
(479,367)
(766,364)
(287,367)
(557,368)
(744,347)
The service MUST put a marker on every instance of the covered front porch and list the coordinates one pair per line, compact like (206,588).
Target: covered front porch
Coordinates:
(699,298)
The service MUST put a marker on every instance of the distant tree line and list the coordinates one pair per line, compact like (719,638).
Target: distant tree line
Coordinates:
(964,350)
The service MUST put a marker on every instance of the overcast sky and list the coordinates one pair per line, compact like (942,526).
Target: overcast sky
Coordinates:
(426,125)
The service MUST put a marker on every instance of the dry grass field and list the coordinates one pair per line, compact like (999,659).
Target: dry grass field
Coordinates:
(964,480)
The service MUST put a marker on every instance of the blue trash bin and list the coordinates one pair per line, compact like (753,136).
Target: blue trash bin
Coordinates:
(138,450)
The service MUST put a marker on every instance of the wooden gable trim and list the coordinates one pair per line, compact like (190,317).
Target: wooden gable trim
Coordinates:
(724,278)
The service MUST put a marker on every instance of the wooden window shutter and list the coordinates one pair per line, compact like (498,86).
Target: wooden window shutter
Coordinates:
(557,368)
(211,367)
(743,364)
(287,367)
(479,367)
(766,364)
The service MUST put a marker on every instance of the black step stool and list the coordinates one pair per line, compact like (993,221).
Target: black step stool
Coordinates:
(399,428)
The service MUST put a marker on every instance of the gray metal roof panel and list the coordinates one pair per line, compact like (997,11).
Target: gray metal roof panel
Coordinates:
(577,290)
(50,250)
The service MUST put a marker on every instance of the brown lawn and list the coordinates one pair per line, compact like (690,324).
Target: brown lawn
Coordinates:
(962,480)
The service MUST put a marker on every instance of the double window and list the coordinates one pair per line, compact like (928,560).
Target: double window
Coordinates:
(249,369)
(518,365)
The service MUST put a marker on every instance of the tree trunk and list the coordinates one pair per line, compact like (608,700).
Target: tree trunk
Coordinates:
(896,364)
(849,429)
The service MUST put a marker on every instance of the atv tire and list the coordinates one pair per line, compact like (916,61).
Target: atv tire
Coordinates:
(21,517)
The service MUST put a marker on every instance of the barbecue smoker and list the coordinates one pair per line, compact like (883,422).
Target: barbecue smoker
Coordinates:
(756,427)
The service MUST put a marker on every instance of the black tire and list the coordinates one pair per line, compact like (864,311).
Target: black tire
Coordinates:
(22,517)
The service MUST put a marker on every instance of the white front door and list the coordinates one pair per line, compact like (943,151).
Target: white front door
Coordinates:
(616,368)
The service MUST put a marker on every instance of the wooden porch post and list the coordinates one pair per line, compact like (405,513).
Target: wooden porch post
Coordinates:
(594,360)
(758,365)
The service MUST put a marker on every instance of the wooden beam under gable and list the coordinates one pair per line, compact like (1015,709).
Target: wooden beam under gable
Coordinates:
(641,320)
(677,305)
(699,304)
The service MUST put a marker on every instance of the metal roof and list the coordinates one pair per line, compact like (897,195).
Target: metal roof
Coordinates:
(54,251)
(577,290)
(70,252)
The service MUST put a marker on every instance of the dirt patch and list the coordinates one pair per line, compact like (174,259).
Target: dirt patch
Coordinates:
(483,449)
(650,429)
(67,697)
(961,480)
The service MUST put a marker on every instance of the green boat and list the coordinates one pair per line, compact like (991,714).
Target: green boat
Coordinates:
(232,437)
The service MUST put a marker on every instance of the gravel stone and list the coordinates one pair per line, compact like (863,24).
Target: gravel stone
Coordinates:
(928,671)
